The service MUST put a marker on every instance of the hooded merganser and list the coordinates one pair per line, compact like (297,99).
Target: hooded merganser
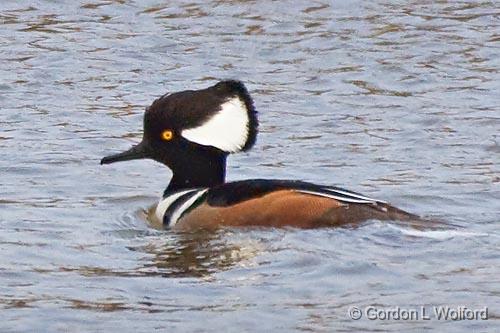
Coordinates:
(192,132)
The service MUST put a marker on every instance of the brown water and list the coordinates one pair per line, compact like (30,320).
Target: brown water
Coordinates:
(396,99)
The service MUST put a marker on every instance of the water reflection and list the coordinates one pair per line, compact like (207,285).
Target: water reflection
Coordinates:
(180,255)
(194,254)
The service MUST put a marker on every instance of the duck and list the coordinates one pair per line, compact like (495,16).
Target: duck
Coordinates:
(193,132)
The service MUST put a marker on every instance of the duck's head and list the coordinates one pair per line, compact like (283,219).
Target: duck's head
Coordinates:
(196,129)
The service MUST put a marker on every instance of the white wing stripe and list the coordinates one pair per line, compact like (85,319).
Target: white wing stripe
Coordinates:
(339,198)
(350,194)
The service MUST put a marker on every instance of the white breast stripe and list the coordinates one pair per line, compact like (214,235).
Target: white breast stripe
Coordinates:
(163,205)
(185,206)
(227,129)
(348,193)
(338,197)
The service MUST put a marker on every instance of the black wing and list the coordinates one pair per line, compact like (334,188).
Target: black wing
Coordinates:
(234,192)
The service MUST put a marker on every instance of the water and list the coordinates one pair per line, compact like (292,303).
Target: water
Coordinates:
(395,99)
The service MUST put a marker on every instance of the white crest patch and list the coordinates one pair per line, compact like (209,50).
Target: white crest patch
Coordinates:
(226,130)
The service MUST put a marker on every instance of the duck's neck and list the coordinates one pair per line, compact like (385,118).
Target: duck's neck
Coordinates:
(201,170)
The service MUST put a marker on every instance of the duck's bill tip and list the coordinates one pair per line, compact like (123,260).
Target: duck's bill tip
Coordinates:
(106,160)
(134,153)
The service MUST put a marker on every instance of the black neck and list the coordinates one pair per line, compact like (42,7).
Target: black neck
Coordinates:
(202,169)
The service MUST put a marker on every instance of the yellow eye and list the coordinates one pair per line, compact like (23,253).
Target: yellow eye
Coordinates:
(167,135)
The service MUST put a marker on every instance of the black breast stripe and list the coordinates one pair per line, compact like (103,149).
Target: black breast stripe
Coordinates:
(176,205)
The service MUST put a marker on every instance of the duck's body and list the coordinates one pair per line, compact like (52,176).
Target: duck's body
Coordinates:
(270,203)
(192,132)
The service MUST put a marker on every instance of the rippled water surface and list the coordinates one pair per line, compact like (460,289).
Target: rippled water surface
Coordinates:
(396,99)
